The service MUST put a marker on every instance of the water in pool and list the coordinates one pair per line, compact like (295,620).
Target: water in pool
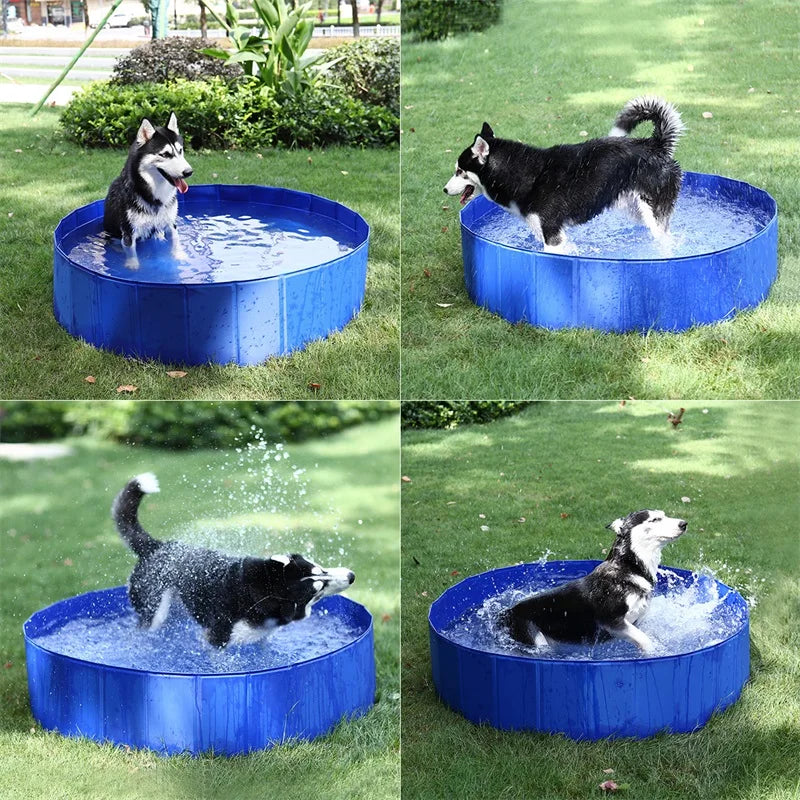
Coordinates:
(248,241)
(703,222)
(180,647)
(681,618)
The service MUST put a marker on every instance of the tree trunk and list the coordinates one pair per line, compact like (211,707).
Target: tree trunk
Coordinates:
(378,9)
(85,5)
(354,6)
(203,22)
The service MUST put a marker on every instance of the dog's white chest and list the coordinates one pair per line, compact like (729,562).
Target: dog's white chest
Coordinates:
(144,223)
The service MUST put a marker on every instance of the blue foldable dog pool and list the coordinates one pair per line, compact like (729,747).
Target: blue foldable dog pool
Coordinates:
(722,258)
(699,665)
(93,673)
(259,272)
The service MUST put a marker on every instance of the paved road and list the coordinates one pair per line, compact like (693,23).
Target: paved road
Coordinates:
(48,62)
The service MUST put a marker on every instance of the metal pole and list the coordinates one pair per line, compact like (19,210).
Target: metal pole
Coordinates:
(71,64)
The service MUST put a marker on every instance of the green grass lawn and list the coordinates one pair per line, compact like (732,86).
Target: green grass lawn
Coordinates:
(58,540)
(50,177)
(547,72)
(569,469)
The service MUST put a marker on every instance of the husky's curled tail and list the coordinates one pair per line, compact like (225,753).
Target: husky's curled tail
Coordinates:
(125,513)
(667,124)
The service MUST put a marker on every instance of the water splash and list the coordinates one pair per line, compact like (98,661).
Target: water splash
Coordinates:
(262,505)
(179,645)
(703,222)
(682,618)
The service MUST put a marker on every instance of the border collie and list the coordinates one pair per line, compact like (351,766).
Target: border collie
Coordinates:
(235,600)
(610,599)
(143,200)
(569,184)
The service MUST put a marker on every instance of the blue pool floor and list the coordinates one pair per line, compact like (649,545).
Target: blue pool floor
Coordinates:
(234,242)
(680,620)
(703,222)
(180,647)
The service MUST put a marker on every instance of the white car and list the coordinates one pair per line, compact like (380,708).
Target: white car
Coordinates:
(119,20)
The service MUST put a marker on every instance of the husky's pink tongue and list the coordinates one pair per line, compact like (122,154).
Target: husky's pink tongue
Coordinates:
(181,185)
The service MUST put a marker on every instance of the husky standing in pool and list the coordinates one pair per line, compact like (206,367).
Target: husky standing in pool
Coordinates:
(143,200)
(569,184)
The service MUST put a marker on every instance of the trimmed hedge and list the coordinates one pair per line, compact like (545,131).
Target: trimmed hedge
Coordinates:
(215,114)
(444,414)
(163,60)
(435,19)
(369,70)
(185,424)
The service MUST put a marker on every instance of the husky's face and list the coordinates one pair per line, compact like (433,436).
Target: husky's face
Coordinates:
(647,526)
(466,180)
(307,582)
(645,534)
(162,162)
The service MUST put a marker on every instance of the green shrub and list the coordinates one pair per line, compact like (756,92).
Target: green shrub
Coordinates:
(369,70)
(443,414)
(435,19)
(185,424)
(28,422)
(328,116)
(214,114)
(163,60)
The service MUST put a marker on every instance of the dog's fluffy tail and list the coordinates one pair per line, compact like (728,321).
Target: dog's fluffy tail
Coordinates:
(665,118)
(125,513)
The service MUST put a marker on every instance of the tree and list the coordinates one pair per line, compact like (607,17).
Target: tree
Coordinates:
(378,9)
(354,6)
(203,22)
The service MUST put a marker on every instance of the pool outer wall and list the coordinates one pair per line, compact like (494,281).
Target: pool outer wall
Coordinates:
(175,713)
(580,699)
(560,291)
(240,322)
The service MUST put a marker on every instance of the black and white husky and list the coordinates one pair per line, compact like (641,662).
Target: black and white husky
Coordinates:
(235,600)
(569,184)
(610,599)
(143,200)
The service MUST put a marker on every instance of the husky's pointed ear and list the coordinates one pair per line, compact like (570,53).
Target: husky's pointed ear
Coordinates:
(145,132)
(616,525)
(172,124)
(480,149)
(486,131)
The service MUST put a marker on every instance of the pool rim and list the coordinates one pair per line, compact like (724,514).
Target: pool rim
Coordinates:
(466,229)
(114,590)
(99,204)
(683,573)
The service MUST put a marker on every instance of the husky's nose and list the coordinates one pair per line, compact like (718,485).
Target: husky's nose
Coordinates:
(682,525)
(350,577)
(187,173)
(445,190)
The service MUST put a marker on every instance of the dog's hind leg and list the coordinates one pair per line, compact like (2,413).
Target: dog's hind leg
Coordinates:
(658,225)
(150,604)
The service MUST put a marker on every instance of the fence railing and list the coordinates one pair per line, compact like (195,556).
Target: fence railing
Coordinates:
(364,30)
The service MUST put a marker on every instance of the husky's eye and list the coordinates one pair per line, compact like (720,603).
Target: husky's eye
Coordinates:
(459,171)
(166,154)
